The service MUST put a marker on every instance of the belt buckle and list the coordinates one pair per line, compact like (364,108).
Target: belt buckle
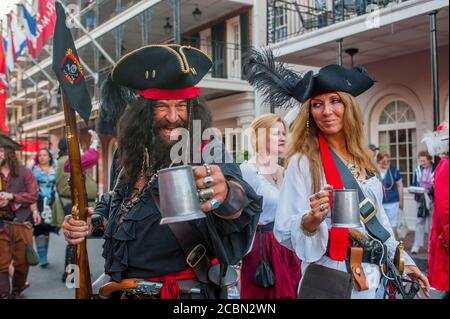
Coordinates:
(371,214)
(199,249)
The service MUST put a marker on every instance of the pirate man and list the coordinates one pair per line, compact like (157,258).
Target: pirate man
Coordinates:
(151,94)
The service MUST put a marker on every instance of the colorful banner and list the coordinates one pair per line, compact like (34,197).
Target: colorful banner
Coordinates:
(3,77)
(30,31)
(3,86)
(30,146)
(45,23)
(19,38)
(3,97)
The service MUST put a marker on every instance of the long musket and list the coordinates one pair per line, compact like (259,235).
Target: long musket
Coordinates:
(83,288)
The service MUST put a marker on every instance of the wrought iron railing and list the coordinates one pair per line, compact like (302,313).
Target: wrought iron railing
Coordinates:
(290,18)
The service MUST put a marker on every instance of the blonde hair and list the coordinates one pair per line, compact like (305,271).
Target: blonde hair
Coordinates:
(382,155)
(305,142)
(266,121)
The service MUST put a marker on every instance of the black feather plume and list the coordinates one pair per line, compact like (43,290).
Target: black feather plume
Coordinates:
(271,79)
(113,101)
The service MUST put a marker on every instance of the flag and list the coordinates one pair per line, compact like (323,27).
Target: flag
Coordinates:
(68,68)
(18,36)
(3,86)
(3,78)
(45,23)
(30,31)
(10,52)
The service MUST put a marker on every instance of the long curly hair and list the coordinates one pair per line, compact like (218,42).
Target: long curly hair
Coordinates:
(307,143)
(136,131)
(11,160)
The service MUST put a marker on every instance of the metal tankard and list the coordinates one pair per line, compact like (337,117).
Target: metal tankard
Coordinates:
(179,200)
(345,208)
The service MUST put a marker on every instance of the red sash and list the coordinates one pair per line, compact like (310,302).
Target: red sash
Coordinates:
(338,236)
(170,288)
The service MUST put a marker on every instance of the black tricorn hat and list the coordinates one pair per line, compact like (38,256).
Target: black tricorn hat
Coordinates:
(279,85)
(159,72)
(335,78)
(164,67)
(6,141)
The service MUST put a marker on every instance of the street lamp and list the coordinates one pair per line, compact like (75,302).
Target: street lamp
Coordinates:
(197,13)
(351,52)
(168,27)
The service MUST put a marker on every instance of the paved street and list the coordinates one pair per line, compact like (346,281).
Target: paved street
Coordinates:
(46,283)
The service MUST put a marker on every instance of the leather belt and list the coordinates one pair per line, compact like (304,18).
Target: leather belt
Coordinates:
(368,256)
(266,228)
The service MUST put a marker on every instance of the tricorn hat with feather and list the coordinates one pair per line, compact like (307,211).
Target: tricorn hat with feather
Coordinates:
(281,86)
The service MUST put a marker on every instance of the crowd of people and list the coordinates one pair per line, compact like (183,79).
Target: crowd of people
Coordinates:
(273,214)
(34,201)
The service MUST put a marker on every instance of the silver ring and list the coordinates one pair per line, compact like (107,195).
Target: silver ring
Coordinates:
(317,195)
(322,207)
(208,169)
(208,181)
(214,203)
(206,193)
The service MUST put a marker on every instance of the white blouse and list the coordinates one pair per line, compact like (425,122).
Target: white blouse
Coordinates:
(263,188)
(293,203)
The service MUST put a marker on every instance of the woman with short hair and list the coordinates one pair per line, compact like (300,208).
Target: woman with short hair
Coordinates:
(423,177)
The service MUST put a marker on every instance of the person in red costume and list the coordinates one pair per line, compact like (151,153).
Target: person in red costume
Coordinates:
(437,143)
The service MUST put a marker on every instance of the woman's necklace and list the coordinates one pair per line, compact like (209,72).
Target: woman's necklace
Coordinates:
(353,168)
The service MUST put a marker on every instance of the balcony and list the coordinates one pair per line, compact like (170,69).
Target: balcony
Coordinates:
(287,19)
(121,26)
(398,28)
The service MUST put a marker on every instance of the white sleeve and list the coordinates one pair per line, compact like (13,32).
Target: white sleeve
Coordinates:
(270,198)
(292,205)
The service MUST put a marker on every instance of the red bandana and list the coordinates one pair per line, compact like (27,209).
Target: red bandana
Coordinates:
(179,94)
(338,236)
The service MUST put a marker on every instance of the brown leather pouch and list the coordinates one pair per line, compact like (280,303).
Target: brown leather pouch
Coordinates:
(358,275)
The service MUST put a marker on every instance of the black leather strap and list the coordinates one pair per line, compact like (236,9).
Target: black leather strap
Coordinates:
(190,242)
(367,208)
(369,256)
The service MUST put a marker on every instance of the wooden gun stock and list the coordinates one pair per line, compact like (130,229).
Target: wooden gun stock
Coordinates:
(108,289)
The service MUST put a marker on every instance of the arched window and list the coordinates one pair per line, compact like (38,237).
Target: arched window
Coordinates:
(397,136)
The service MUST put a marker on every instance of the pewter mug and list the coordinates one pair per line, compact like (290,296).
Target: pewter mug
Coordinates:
(345,208)
(179,200)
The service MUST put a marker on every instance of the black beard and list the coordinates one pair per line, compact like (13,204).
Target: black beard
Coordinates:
(160,151)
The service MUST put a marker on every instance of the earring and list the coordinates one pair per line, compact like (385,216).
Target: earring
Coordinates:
(307,127)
